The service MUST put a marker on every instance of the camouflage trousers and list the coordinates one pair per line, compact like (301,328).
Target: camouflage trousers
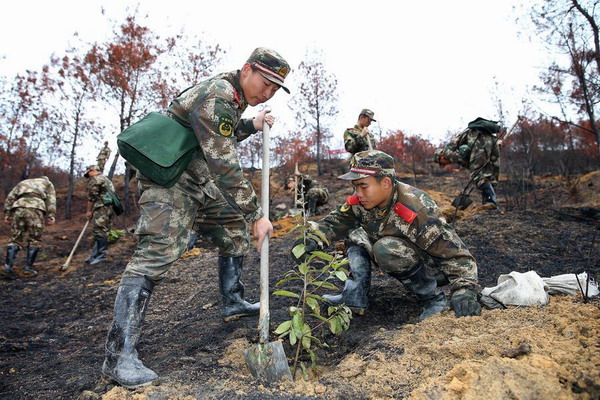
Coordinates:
(28,222)
(102,218)
(321,194)
(488,174)
(394,254)
(166,217)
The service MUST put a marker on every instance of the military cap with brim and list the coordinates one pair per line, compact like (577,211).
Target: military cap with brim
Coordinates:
(270,65)
(91,168)
(368,113)
(370,163)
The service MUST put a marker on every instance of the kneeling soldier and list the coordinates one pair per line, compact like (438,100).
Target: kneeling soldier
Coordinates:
(315,195)
(405,234)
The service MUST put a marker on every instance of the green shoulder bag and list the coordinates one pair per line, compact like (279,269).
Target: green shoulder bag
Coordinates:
(159,147)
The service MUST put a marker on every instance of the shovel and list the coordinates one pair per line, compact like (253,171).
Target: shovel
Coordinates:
(267,361)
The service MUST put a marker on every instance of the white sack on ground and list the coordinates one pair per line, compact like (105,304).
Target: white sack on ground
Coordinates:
(567,284)
(516,289)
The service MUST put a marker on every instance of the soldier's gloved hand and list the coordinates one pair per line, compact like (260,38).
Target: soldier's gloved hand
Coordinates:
(299,254)
(51,220)
(465,304)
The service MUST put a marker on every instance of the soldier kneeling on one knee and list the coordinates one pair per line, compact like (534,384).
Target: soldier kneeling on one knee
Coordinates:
(405,233)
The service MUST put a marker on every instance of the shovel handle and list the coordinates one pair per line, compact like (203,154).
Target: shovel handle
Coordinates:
(264,317)
(66,265)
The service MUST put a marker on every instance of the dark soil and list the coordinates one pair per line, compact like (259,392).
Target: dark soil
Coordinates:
(53,327)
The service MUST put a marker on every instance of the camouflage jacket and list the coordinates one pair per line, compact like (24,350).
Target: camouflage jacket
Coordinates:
(309,183)
(213,108)
(96,187)
(412,215)
(354,143)
(484,147)
(32,193)
(104,153)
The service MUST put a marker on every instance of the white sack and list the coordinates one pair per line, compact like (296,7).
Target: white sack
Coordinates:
(516,289)
(567,284)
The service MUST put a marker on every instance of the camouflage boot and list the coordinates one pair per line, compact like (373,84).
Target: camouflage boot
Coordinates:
(424,286)
(488,194)
(121,363)
(32,253)
(232,290)
(356,290)
(11,254)
(101,254)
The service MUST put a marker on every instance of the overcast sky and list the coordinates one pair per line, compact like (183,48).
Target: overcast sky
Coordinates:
(424,67)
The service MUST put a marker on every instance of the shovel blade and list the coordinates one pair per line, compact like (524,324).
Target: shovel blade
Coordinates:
(267,362)
(462,201)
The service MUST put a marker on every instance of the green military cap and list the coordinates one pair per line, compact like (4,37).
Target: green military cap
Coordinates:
(92,167)
(270,64)
(370,163)
(368,113)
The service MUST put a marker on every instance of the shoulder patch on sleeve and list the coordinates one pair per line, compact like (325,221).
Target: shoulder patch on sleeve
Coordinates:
(405,213)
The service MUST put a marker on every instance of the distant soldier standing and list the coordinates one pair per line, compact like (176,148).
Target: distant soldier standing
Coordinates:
(103,156)
(315,195)
(406,235)
(212,196)
(99,210)
(476,149)
(358,138)
(27,206)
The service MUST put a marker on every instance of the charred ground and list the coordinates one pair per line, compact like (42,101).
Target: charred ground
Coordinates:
(53,326)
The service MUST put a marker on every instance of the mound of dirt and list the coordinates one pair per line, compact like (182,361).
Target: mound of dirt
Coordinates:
(470,358)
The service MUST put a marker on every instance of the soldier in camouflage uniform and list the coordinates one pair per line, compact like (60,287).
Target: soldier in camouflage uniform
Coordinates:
(315,195)
(103,156)
(359,138)
(211,196)
(406,235)
(476,149)
(27,206)
(99,210)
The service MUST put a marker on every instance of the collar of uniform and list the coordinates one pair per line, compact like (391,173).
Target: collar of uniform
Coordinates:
(234,78)
(382,212)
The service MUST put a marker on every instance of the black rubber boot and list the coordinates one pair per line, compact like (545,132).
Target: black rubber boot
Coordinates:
(121,363)
(488,194)
(232,290)
(424,286)
(312,207)
(32,253)
(356,290)
(11,254)
(101,255)
(94,253)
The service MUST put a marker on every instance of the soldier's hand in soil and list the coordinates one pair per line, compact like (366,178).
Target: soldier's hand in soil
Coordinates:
(51,220)
(89,214)
(299,254)
(465,303)
(263,117)
(8,219)
(260,229)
